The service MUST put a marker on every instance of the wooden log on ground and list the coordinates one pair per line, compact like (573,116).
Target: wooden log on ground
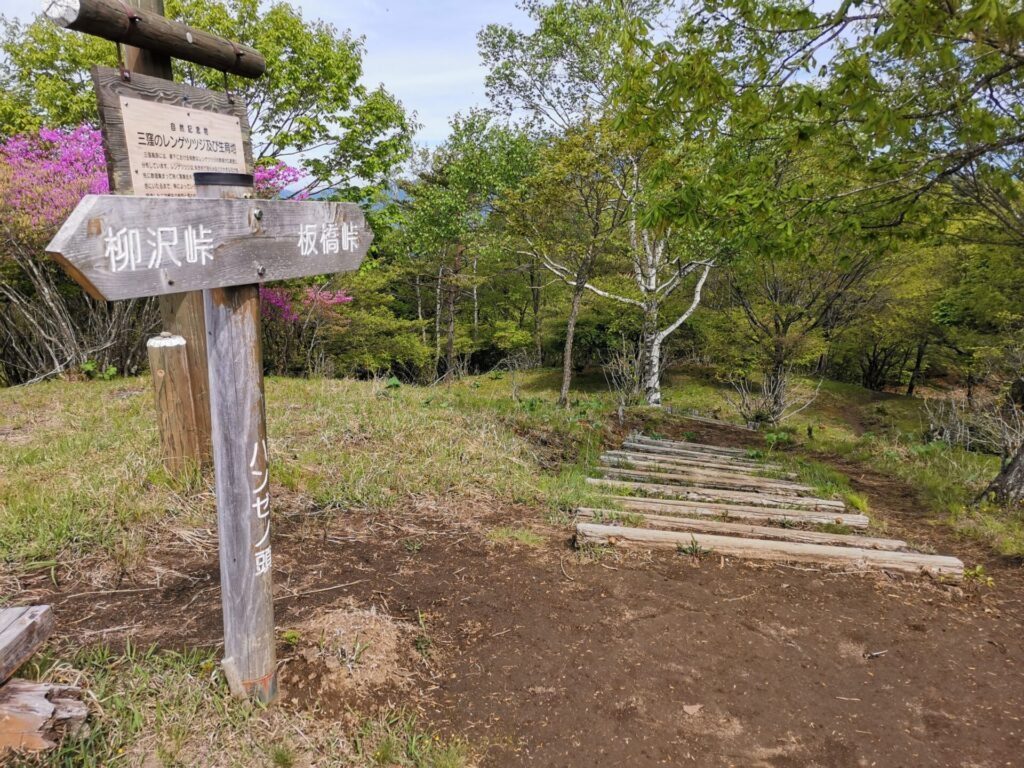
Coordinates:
(22,631)
(671,507)
(680,461)
(119,22)
(777,551)
(687,474)
(717,495)
(717,422)
(36,716)
(700,480)
(686,445)
(686,453)
(675,523)
(175,404)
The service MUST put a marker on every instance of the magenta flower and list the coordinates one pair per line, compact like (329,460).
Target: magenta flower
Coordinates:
(271,180)
(46,175)
(276,302)
(315,296)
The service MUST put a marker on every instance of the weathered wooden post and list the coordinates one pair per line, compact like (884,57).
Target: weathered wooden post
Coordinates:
(175,404)
(240,465)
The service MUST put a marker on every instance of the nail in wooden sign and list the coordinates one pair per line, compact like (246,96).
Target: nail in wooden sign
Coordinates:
(124,247)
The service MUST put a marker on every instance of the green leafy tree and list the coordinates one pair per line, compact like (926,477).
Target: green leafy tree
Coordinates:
(309,109)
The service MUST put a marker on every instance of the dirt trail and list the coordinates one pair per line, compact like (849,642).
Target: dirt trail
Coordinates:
(540,659)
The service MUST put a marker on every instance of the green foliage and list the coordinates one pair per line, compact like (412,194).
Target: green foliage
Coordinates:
(94,370)
(310,98)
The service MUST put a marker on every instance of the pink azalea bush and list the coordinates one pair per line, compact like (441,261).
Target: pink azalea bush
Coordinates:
(46,174)
(271,180)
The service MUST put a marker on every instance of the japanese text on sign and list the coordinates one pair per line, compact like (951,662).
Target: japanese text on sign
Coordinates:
(168,144)
(128,249)
(315,239)
(260,470)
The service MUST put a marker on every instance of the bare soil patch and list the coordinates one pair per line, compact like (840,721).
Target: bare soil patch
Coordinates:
(539,657)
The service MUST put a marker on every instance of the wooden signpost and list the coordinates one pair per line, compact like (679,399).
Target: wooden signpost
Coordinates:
(150,129)
(119,247)
(204,256)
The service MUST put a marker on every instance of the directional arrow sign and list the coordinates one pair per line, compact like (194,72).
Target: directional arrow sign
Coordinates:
(124,247)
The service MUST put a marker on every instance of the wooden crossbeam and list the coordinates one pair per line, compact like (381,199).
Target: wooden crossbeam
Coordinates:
(121,23)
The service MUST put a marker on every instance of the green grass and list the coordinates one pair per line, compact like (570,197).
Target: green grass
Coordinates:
(83,478)
(147,703)
(510,535)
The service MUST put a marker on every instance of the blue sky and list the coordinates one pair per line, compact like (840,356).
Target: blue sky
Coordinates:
(425,53)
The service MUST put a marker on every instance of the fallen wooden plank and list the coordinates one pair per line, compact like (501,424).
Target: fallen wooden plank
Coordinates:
(36,716)
(689,446)
(689,473)
(714,494)
(752,485)
(22,631)
(778,551)
(687,453)
(738,512)
(676,523)
(680,461)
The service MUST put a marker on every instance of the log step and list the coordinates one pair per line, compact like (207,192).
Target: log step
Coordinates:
(678,507)
(709,480)
(677,462)
(22,631)
(776,551)
(683,453)
(727,496)
(686,445)
(675,523)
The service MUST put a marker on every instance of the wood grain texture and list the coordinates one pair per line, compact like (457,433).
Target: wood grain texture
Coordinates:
(22,631)
(676,523)
(739,512)
(240,469)
(703,481)
(657,450)
(140,60)
(778,551)
(686,445)
(36,716)
(110,20)
(175,404)
(721,495)
(679,461)
(692,476)
(183,314)
(253,241)
(110,87)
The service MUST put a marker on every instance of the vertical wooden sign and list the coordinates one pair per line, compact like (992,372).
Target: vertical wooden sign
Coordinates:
(241,471)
